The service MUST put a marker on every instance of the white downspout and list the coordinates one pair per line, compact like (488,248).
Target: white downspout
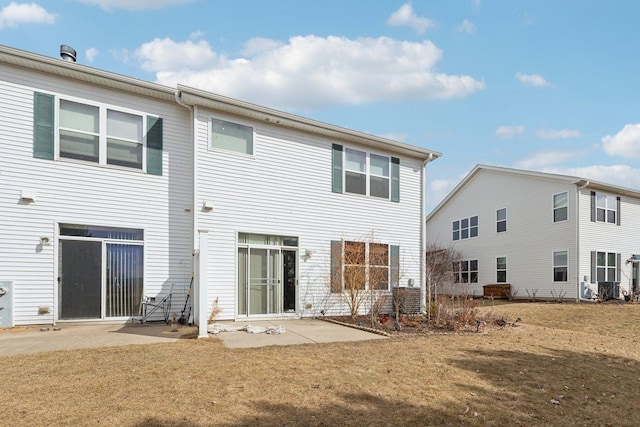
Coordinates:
(423,233)
(193,113)
(578,190)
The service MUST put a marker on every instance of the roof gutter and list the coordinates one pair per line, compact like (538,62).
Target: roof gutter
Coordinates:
(278,118)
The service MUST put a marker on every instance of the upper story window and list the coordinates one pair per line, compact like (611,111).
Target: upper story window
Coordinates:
(606,208)
(358,172)
(501,220)
(560,266)
(231,136)
(465,271)
(65,128)
(560,207)
(465,228)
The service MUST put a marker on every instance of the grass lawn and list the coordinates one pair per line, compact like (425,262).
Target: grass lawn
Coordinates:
(562,364)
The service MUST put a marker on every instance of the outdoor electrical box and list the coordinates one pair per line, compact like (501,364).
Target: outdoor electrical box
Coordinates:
(6,304)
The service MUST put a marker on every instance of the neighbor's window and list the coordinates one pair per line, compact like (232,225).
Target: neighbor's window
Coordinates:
(231,136)
(560,207)
(465,271)
(501,269)
(606,207)
(606,267)
(465,228)
(501,220)
(560,266)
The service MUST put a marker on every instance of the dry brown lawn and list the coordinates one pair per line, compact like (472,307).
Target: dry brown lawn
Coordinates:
(563,364)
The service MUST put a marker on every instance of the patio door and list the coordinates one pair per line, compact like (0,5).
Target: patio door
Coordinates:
(80,280)
(267,276)
(264,281)
(100,272)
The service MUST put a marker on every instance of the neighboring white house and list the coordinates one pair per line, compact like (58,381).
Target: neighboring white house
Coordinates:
(552,235)
(113,189)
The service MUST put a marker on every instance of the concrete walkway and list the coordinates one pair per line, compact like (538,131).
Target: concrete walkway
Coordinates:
(35,339)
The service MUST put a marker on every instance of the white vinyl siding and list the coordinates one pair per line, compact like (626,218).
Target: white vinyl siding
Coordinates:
(531,237)
(286,189)
(85,193)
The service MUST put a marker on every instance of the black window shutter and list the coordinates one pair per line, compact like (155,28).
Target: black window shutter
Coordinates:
(154,145)
(618,210)
(593,267)
(395,179)
(593,206)
(43,125)
(336,168)
(394,266)
(336,266)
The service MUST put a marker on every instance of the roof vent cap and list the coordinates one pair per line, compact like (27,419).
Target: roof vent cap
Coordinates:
(67,53)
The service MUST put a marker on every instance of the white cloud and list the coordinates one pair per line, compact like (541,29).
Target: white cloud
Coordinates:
(508,132)
(259,44)
(309,71)
(91,54)
(466,27)
(625,143)
(167,55)
(405,16)
(558,134)
(198,34)
(133,4)
(532,80)
(546,158)
(15,14)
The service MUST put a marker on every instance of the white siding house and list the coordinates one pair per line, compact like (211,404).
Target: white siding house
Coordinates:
(552,235)
(110,186)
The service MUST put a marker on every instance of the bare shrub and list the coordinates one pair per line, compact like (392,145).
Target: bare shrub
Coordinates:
(439,271)
(559,295)
(532,294)
(511,294)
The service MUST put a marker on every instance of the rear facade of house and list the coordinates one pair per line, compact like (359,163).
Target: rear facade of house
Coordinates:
(109,187)
(548,236)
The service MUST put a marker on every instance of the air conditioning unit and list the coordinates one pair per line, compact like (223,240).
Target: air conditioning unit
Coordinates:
(608,290)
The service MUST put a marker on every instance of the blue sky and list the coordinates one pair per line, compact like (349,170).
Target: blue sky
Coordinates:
(541,85)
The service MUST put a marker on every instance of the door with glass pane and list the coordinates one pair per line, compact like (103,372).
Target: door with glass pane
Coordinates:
(264,281)
(124,278)
(80,280)
(89,289)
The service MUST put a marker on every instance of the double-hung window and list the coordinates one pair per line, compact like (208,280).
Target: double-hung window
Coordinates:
(96,133)
(606,267)
(465,228)
(560,266)
(363,265)
(501,220)
(231,136)
(501,269)
(369,174)
(465,271)
(560,207)
(605,208)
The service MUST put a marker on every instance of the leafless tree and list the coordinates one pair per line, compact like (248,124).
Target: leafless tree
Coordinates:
(439,270)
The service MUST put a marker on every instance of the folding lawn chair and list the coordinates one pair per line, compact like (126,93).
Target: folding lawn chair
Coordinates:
(151,304)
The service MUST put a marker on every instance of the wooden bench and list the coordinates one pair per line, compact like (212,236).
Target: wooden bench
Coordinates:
(502,290)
